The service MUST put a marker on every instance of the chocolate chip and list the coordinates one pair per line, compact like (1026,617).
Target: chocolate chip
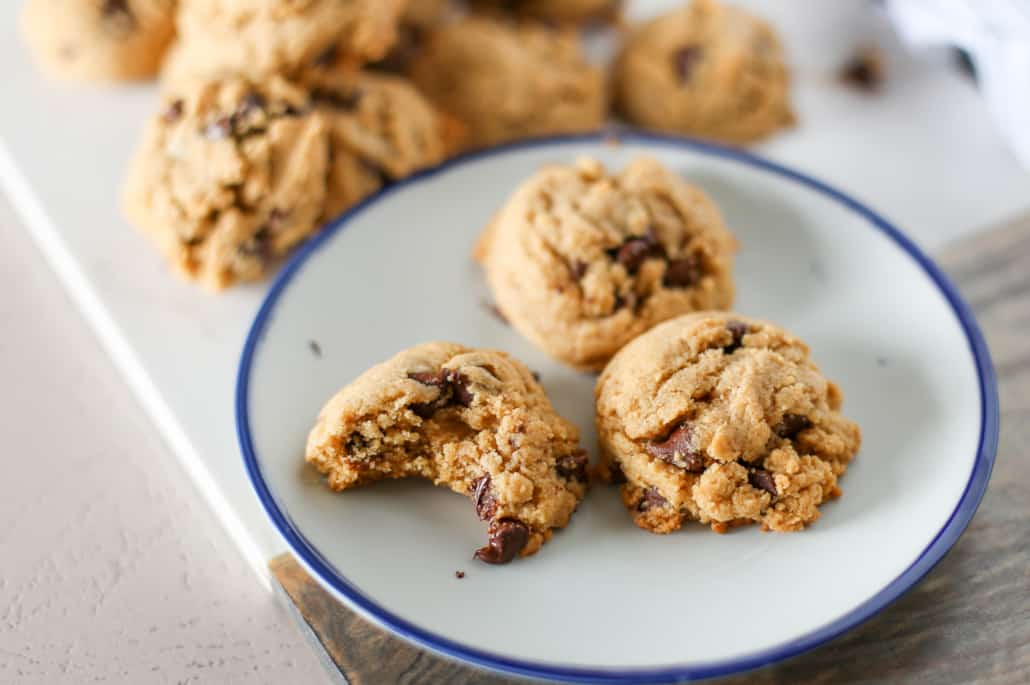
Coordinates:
(434,378)
(252,102)
(507,538)
(327,57)
(635,249)
(683,273)
(424,410)
(685,59)
(762,479)
(678,450)
(791,424)
(615,474)
(315,348)
(459,387)
(864,71)
(579,269)
(218,129)
(536,375)
(573,466)
(459,574)
(483,498)
(737,329)
(173,112)
(343,100)
(652,499)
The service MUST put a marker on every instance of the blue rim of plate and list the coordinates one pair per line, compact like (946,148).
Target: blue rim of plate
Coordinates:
(309,556)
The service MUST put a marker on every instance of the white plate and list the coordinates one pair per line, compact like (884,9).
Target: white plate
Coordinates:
(604,601)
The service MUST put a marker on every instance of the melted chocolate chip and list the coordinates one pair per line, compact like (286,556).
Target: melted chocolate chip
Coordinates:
(762,479)
(507,538)
(678,450)
(173,112)
(791,424)
(483,498)
(634,251)
(737,329)
(685,59)
(579,269)
(347,101)
(683,273)
(459,388)
(434,378)
(652,499)
(573,466)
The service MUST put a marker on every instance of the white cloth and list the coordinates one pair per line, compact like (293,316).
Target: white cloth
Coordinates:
(996,34)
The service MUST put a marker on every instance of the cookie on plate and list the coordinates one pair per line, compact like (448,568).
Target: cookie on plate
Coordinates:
(581,261)
(560,11)
(259,38)
(708,69)
(506,81)
(94,40)
(232,174)
(717,418)
(475,421)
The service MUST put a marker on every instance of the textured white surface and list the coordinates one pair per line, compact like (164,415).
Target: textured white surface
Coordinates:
(111,566)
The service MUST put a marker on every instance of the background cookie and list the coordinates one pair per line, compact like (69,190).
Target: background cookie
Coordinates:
(721,419)
(708,69)
(99,40)
(581,262)
(507,81)
(232,174)
(259,38)
(475,421)
(571,11)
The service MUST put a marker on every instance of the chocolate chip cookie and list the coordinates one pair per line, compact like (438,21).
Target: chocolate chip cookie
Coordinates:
(472,420)
(507,81)
(259,38)
(99,40)
(581,261)
(708,69)
(232,174)
(717,418)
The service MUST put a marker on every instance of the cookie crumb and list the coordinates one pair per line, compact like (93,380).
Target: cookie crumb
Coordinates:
(864,71)
(459,574)
(315,348)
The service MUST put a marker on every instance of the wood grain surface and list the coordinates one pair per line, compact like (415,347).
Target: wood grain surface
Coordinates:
(967,622)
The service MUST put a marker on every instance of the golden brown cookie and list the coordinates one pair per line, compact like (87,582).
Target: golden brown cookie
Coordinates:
(581,261)
(708,69)
(475,421)
(232,174)
(260,38)
(717,418)
(99,40)
(507,81)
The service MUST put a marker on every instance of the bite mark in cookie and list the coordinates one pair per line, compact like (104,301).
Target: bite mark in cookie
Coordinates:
(475,421)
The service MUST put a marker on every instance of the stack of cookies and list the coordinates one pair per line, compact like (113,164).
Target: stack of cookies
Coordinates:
(277,115)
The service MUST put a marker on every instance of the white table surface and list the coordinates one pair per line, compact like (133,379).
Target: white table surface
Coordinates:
(110,567)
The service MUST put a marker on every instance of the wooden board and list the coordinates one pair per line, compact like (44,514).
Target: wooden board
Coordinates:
(967,622)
